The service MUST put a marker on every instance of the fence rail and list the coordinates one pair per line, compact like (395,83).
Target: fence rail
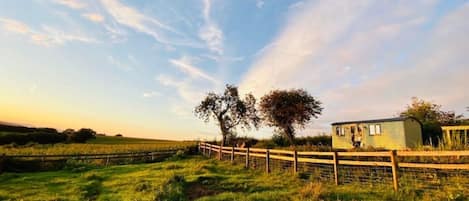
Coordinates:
(106,158)
(341,166)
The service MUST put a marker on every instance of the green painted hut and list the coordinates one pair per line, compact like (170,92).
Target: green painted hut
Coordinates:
(391,133)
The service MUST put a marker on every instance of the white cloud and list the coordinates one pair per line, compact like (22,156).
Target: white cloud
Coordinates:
(185,65)
(75,4)
(151,94)
(15,26)
(47,36)
(137,21)
(185,89)
(306,33)
(210,32)
(362,67)
(94,17)
(122,65)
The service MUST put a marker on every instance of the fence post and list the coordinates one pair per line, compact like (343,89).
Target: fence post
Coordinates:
(220,153)
(395,176)
(152,156)
(247,157)
(2,162)
(203,149)
(210,150)
(336,168)
(295,161)
(267,161)
(232,154)
(107,160)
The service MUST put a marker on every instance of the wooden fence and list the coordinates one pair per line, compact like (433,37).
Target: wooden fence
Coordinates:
(391,163)
(106,158)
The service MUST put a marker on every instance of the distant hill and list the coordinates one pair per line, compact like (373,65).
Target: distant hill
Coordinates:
(9,124)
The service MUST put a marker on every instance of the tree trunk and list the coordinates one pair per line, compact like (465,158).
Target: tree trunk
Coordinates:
(290,134)
(223,130)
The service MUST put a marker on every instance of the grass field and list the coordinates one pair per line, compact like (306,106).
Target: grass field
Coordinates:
(125,140)
(191,178)
(102,144)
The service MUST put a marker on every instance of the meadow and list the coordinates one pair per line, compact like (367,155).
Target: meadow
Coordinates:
(186,178)
(100,145)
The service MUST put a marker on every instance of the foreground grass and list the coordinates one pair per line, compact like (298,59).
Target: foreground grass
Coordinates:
(193,178)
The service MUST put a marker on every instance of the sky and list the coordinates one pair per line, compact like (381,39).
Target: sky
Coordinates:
(140,67)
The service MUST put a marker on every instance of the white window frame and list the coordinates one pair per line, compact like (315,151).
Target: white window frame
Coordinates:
(378,129)
(375,129)
(342,131)
(372,129)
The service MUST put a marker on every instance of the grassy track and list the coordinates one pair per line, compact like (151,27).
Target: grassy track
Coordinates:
(193,178)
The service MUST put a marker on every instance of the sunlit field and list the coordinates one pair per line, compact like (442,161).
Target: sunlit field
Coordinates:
(190,178)
(100,145)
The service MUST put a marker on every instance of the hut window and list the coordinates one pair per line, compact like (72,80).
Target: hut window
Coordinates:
(375,129)
(352,129)
(339,131)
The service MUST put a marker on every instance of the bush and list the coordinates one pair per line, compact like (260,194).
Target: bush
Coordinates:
(82,135)
(40,137)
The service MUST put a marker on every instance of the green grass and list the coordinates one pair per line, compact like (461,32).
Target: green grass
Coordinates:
(192,178)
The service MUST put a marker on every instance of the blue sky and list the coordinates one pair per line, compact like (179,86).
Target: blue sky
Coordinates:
(140,67)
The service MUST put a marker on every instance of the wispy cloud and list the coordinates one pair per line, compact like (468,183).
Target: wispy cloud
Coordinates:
(119,64)
(185,65)
(185,89)
(151,94)
(15,26)
(47,36)
(74,4)
(210,32)
(358,69)
(94,17)
(137,21)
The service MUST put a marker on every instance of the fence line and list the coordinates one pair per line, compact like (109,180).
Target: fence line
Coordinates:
(106,157)
(342,165)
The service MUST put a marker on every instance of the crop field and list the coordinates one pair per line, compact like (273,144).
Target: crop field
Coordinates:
(186,178)
(100,145)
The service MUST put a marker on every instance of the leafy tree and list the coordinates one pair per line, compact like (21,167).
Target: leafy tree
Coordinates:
(432,118)
(68,131)
(229,110)
(287,109)
(82,135)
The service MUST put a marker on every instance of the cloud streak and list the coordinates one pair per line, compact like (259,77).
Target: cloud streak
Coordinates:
(47,36)
(184,65)
(210,32)
(94,17)
(74,4)
(139,22)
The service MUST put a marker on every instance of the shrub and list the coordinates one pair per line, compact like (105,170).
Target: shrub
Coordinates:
(82,135)
(40,137)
